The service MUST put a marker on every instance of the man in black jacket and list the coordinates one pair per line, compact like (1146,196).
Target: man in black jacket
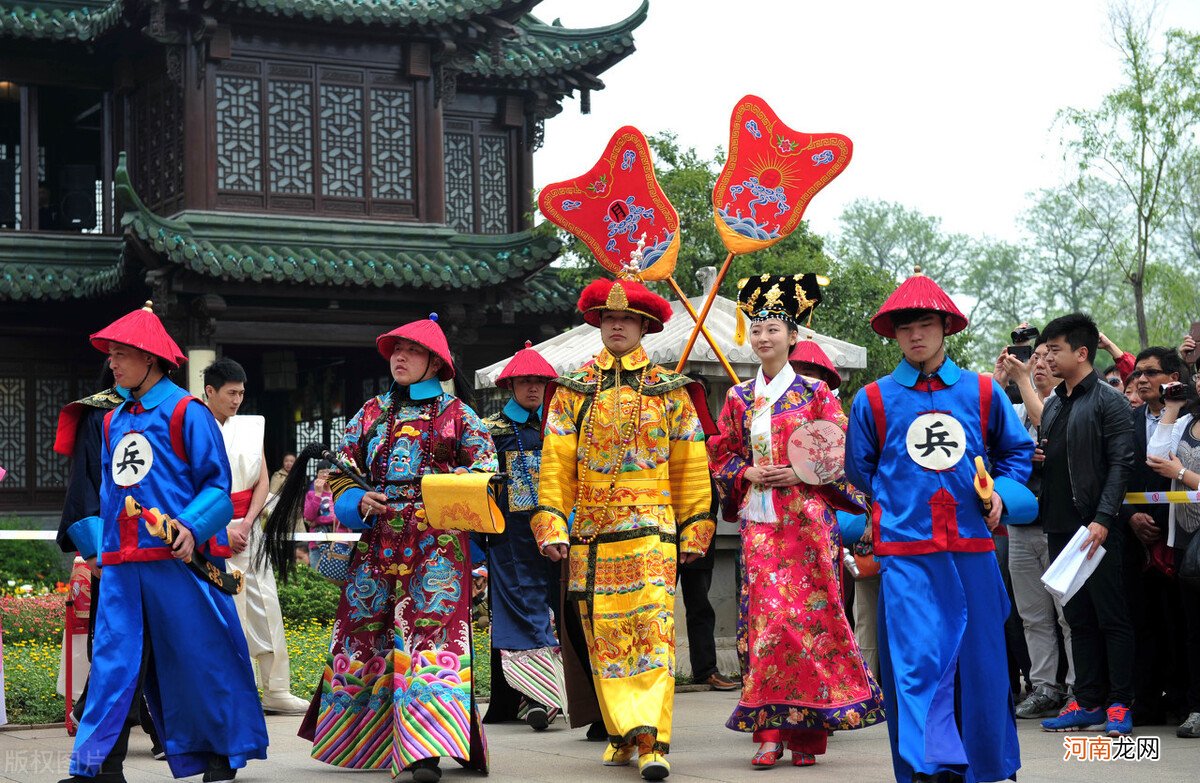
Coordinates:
(1086,436)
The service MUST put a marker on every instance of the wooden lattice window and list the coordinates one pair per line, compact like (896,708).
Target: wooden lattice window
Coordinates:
(478,170)
(307,137)
(31,397)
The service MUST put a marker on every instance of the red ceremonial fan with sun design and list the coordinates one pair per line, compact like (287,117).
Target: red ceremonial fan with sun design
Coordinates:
(614,205)
(771,175)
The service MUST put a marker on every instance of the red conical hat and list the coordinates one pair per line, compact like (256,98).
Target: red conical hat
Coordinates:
(425,333)
(526,363)
(918,293)
(625,296)
(142,330)
(809,352)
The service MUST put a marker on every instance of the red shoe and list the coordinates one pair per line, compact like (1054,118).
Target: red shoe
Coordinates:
(765,759)
(803,759)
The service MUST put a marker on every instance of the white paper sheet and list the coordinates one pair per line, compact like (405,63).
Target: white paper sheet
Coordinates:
(1071,568)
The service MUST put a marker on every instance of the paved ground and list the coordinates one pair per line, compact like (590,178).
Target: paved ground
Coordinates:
(702,750)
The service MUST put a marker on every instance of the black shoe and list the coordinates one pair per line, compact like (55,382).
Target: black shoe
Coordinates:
(537,718)
(426,771)
(219,770)
(597,732)
(102,777)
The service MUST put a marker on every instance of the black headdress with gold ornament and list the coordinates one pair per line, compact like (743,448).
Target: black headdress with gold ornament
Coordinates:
(790,298)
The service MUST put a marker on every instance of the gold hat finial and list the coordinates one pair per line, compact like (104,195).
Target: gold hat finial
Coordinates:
(917,270)
(617,300)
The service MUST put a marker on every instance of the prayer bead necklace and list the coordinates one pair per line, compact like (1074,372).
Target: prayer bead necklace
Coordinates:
(625,431)
(383,456)
(523,473)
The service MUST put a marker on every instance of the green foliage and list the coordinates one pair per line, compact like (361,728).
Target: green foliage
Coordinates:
(30,675)
(31,562)
(688,180)
(895,239)
(308,596)
(1171,298)
(35,618)
(1141,131)
(308,652)
(481,660)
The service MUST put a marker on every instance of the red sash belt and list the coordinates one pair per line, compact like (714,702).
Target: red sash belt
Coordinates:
(241,502)
(130,552)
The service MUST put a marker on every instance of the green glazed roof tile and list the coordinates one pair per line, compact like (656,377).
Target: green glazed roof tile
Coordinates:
(389,13)
(542,49)
(57,20)
(49,267)
(248,247)
(544,293)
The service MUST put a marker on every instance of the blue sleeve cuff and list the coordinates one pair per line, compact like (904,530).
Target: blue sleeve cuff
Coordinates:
(478,557)
(86,535)
(1020,505)
(208,513)
(852,525)
(346,508)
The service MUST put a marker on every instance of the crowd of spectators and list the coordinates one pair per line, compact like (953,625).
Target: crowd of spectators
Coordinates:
(1127,645)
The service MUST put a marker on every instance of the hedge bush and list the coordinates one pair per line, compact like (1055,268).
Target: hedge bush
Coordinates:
(308,596)
(36,562)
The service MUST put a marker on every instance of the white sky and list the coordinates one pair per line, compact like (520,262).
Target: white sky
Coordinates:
(950,105)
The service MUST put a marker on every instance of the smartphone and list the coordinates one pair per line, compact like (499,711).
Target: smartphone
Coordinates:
(1021,352)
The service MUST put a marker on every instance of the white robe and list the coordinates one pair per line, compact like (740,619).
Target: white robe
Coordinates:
(258,603)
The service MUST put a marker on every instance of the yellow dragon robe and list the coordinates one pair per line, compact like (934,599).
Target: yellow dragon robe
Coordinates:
(624,448)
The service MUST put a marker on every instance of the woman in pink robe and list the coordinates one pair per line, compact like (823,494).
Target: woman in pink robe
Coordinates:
(803,674)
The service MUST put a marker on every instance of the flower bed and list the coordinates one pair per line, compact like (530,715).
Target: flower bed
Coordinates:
(30,672)
(31,668)
(33,626)
(33,618)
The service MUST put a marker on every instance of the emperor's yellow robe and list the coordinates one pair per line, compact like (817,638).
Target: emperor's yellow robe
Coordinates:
(641,494)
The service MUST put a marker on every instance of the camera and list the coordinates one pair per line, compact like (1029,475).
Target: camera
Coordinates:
(1021,352)
(1024,334)
(1173,391)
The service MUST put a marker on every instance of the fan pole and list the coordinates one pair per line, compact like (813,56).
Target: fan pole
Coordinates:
(700,328)
(699,319)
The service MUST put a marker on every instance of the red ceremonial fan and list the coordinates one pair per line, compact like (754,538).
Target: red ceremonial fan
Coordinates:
(616,206)
(770,176)
(817,451)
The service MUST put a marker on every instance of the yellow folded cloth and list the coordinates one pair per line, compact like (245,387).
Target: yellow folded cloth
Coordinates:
(461,501)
